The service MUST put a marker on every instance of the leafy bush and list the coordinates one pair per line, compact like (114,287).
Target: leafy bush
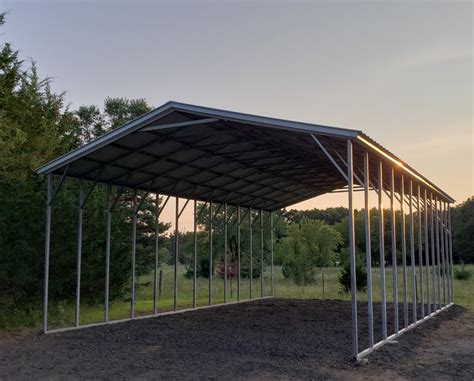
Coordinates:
(307,245)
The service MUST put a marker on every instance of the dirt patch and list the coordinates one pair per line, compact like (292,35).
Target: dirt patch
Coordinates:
(271,339)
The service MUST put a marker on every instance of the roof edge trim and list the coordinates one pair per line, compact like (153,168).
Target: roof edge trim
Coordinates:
(403,166)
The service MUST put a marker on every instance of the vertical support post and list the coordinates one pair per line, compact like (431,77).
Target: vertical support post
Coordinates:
(420,254)
(448,257)
(271,255)
(79,253)
(412,256)
(404,250)
(352,254)
(427,254)
(433,257)
(176,249)
(446,254)
(194,254)
(382,252)
(448,262)
(368,251)
(261,253)
(439,205)
(47,247)
(134,252)
(225,253)
(210,253)
(438,259)
(443,250)
(238,253)
(155,270)
(107,252)
(451,253)
(394,251)
(251,254)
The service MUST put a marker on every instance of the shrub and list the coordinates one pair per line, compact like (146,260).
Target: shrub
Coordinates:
(361,273)
(308,244)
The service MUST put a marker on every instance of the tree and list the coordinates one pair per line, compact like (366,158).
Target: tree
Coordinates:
(463,231)
(35,127)
(329,215)
(323,242)
(91,122)
(306,246)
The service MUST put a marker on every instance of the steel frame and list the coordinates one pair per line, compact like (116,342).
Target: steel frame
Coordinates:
(433,274)
(440,234)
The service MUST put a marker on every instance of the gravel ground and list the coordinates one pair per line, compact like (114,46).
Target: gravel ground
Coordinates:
(269,339)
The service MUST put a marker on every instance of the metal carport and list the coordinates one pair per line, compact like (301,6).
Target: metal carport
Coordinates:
(265,164)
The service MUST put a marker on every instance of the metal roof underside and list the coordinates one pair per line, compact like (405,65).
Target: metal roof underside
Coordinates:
(207,154)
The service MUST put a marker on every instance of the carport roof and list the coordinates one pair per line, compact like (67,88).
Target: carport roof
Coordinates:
(209,154)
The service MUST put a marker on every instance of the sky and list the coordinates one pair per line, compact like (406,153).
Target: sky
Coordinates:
(400,71)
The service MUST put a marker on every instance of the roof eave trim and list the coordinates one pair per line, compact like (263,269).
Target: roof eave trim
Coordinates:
(374,146)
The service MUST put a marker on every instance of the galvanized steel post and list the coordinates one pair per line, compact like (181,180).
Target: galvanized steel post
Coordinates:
(134,250)
(238,253)
(225,253)
(438,252)
(271,254)
(404,251)
(412,256)
(446,255)
(427,254)
(443,261)
(433,256)
(155,270)
(448,262)
(451,253)
(194,254)
(352,254)
(176,249)
(210,253)
(420,255)
(382,251)
(107,252)
(47,248)
(394,251)
(261,254)
(250,252)
(79,253)
(368,251)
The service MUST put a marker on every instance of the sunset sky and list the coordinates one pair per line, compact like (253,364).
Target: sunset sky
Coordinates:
(401,72)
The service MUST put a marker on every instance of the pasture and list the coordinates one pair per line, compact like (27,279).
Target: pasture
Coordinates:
(62,313)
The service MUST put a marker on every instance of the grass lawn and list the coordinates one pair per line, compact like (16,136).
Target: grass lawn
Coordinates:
(63,314)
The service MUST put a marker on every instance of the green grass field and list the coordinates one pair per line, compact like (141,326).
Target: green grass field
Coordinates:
(63,314)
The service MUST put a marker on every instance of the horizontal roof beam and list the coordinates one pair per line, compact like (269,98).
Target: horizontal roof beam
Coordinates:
(179,124)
